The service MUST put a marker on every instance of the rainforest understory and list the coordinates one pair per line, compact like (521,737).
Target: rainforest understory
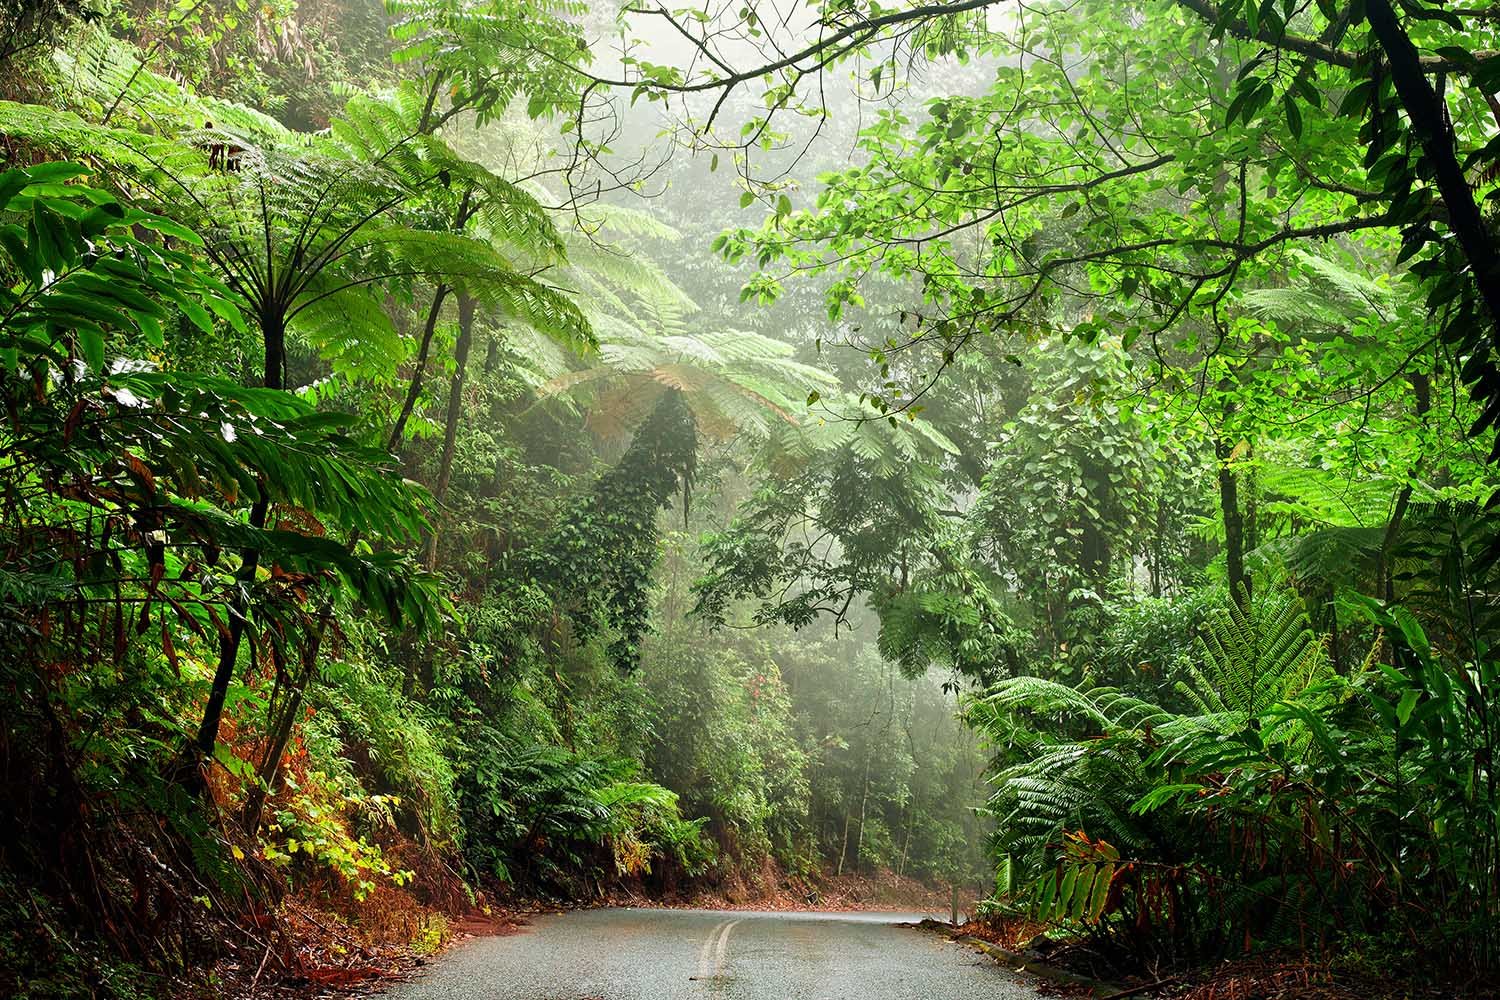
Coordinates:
(466,457)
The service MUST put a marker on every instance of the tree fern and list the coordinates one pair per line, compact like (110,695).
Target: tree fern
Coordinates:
(1127,774)
(1251,659)
(1323,292)
(732,381)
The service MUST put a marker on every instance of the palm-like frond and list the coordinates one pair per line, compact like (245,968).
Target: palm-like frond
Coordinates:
(1253,657)
(298,224)
(1322,292)
(731,380)
(1104,761)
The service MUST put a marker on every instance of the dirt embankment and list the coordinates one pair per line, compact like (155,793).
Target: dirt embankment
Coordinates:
(770,888)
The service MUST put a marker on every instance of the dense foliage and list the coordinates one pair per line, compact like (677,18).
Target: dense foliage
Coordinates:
(342,447)
(401,513)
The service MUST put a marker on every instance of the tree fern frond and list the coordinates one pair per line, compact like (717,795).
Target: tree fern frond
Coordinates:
(351,331)
(1251,659)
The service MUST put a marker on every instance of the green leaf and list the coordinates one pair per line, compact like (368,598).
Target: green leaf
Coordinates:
(1293,115)
(11,182)
(169,228)
(91,345)
(19,247)
(197,315)
(1408,702)
(55,172)
(50,237)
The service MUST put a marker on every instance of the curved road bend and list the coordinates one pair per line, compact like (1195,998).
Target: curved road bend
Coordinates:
(715,955)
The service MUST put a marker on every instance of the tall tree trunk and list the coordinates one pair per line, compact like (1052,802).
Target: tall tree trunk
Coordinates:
(1094,547)
(1250,500)
(905,839)
(466,309)
(1157,544)
(273,332)
(1429,120)
(1234,525)
(864,801)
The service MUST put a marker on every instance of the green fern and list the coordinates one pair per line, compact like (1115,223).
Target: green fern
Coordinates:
(1118,769)
(1252,658)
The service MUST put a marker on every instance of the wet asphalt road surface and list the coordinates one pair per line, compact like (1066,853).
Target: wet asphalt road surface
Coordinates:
(629,954)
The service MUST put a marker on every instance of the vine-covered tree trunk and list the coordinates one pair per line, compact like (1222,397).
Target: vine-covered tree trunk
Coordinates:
(1421,386)
(609,544)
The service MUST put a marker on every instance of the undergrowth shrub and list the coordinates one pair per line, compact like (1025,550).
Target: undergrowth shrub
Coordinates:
(366,729)
(314,825)
(560,820)
(1288,805)
(1147,647)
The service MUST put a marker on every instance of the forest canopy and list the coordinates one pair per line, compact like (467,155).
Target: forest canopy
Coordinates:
(458,454)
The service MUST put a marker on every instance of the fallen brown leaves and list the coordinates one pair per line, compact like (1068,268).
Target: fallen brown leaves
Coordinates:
(773,889)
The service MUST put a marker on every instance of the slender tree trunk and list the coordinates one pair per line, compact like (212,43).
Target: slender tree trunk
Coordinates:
(864,800)
(905,842)
(269,771)
(1234,526)
(466,310)
(461,219)
(414,391)
(273,331)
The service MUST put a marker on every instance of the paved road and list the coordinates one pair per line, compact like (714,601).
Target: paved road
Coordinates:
(714,955)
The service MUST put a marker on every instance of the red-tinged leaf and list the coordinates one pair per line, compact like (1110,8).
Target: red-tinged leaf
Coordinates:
(169,650)
(141,472)
(70,425)
(185,617)
(218,622)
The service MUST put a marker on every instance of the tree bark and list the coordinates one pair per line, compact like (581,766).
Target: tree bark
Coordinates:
(273,333)
(466,310)
(1234,526)
(1427,114)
